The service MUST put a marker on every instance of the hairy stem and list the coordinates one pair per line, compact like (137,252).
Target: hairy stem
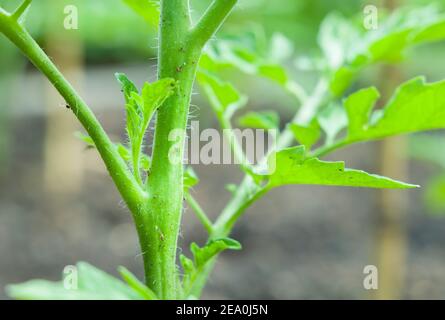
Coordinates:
(159,224)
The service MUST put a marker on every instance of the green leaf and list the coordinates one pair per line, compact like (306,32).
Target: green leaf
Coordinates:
(274,72)
(140,109)
(92,284)
(260,120)
(154,95)
(136,285)
(211,249)
(235,53)
(128,87)
(201,256)
(47,290)
(307,135)
(290,166)
(415,106)
(147,9)
(358,107)
(223,97)
(349,48)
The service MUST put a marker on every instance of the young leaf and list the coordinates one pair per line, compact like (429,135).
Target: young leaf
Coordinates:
(290,166)
(92,284)
(128,87)
(140,110)
(201,256)
(136,285)
(214,247)
(154,95)
(260,120)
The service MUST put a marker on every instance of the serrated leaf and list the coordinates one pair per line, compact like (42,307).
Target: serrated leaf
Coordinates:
(128,87)
(415,106)
(290,166)
(92,284)
(154,95)
(140,109)
(136,285)
(201,256)
(260,120)
(204,254)
(307,135)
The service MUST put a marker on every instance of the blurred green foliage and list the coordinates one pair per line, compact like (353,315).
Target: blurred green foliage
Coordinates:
(112,31)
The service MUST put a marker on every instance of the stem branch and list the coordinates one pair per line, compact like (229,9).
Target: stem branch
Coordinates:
(116,166)
(211,20)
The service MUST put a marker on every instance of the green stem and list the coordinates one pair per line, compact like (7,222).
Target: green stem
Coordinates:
(212,20)
(136,158)
(21,9)
(116,166)
(159,225)
(235,146)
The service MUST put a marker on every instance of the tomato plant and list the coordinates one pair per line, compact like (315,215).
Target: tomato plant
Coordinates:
(154,187)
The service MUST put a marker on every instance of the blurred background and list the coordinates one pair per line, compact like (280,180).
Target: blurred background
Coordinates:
(58,206)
